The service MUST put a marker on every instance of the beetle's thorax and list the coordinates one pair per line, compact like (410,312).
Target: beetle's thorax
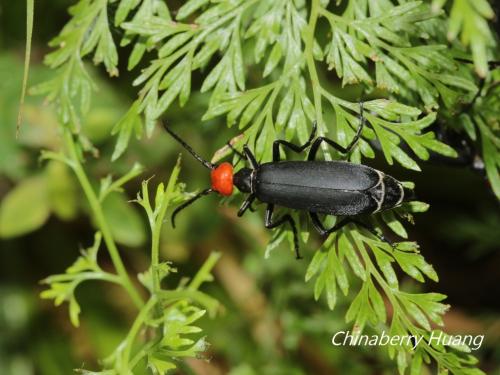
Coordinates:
(222,179)
(243,180)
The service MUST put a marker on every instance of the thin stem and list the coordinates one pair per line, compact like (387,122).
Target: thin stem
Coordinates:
(89,275)
(313,74)
(100,219)
(134,330)
(156,229)
(274,88)
(335,100)
(116,185)
(141,354)
(30,5)
(204,273)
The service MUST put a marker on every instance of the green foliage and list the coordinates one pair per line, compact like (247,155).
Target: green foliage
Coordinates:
(482,125)
(87,32)
(469,18)
(168,314)
(412,314)
(386,36)
(62,287)
(19,215)
(28,206)
(265,68)
(126,223)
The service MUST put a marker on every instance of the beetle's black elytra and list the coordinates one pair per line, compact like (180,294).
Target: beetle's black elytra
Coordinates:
(337,188)
(326,187)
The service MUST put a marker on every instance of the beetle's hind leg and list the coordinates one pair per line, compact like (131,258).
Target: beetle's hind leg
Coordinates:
(282,220)
(318,225)
(372,230)
(343,150)
(294,147)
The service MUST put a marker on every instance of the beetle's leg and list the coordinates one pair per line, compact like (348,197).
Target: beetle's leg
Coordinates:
(296,148)
(189,202)
(251,159)
(335,145)
(282,220)
(318,225)
(247,204)
(372,230)
(251,208)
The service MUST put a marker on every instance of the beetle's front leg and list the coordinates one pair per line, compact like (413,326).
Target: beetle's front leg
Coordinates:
(247,204)
(282,220)
(250,157)
(296,148)
(343,150)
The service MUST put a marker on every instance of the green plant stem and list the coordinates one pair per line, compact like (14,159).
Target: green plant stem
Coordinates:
(134,330)
(311,67)
(274,88)
(335,100)
(30,10)
(100,219)
(104,276)
(204,272)
(116,185)
(141,354)
(156,228)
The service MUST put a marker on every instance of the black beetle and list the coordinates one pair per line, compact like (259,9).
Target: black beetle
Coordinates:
(319,187)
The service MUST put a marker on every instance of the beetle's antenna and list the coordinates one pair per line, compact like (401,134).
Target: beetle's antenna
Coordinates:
(207,164)
(240,155)
(189,202)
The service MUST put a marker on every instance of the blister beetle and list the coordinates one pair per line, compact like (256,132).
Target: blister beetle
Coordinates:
(337,188)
